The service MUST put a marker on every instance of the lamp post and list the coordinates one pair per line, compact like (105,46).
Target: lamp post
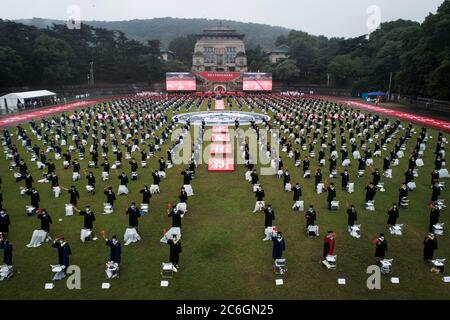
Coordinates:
(92,72)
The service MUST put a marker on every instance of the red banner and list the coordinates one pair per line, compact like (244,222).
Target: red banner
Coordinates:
(219,76)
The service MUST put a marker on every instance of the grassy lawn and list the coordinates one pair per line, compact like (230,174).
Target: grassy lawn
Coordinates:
(223,255)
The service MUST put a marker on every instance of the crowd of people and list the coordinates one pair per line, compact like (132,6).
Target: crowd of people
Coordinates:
(311,132)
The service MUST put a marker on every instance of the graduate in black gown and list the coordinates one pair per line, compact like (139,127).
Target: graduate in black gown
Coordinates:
(393,215)
(64,252)
(46,220)
(345,179)
(7,248)
(146,195)
(5,222)
(134,214)
(429,245)
(89,218)
(352,216)
(279,246)
(434,216)
(381,248)
(269,216)
(311,217)
(115,250)
(175,215)
(110,196)
(175,250)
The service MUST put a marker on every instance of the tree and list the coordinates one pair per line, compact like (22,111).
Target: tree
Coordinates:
(51,59)
(11,67)
(286,71)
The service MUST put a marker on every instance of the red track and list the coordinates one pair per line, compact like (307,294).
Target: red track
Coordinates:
(426,121)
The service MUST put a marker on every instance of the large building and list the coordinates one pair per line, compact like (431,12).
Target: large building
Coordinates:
(220,49)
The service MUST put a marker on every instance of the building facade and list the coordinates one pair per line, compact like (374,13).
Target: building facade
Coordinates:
(219,50)
(279,53)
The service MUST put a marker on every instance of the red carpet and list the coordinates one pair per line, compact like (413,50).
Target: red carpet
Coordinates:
(426,121)
(220,105)
(44,112)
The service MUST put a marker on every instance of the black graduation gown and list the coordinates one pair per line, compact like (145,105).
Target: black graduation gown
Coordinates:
(4,223)
(46,221)
(64,252)
(434,218)
(74,196)
(278,248)
(175,250)
(297,193)
(123,180)
(428,249)
(7,252)
(310,218)
(35,198)
(352,217)
(345,179)
(156,179)
(110,197)
(381,249)
(393,216)
(133,216)
(176,218)
(89,219)
(331,194)
(259,195)
(436,193)
(115,251)
(183,197)
(269,217)
(370,193)
(146,195)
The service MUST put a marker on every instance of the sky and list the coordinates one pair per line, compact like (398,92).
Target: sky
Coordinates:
(332,18)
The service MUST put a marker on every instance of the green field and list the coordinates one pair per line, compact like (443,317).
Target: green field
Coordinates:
(223,255)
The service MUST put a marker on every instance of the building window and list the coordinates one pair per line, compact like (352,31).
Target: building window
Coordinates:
(230,55)
(208,53)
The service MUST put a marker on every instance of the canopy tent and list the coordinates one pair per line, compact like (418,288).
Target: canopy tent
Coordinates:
(373,95)
(11,100)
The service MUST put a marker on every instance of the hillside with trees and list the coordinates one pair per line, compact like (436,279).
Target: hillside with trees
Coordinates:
(417,55)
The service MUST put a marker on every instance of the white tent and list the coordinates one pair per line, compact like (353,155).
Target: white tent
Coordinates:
(12,99)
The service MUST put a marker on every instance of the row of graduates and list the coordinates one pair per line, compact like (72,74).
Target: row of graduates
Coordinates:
(393,212)
(89,216)
(371,188)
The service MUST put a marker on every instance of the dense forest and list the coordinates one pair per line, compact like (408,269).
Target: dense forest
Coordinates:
(166,29)
(417,55)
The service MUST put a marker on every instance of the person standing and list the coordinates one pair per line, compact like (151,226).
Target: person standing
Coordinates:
(352,216)
(5,222)
(331,194)
(279,246)
(269,216)
(329,244)
(115,250)
(381,248)
(110,196)
(64,252)
(133,215)
(7,248)
(434,217)
(46,220)
(175,215)
(402,193)
(146,195)
(175,250)
(430,244)
(345,179)
(393,215)
(311,217)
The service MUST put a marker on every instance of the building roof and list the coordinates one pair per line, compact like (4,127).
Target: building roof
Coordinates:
(29,94)
(220,32)
(281,49)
